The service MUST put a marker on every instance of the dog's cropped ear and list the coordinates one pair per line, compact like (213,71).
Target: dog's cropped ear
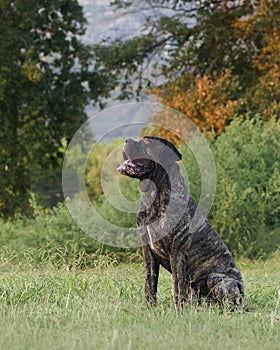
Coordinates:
(166,152)
(169,156)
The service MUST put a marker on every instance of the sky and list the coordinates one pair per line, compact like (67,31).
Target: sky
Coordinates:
(103,22)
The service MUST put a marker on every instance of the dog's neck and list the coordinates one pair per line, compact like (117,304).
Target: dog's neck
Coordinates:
(156,190)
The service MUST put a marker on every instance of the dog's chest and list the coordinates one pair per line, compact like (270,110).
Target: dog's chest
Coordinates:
(159,247)
(154,219)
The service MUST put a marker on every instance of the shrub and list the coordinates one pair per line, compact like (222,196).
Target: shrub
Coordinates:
(246,208)
(53,238)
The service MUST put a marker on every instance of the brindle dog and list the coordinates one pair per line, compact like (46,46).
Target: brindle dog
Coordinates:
(174,232)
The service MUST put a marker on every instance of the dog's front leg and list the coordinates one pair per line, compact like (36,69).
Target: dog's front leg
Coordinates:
(178,268)
(152,271)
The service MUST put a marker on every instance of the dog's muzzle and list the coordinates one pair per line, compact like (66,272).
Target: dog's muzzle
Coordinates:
(134,165)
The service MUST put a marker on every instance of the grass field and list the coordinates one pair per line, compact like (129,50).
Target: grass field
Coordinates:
(103,308)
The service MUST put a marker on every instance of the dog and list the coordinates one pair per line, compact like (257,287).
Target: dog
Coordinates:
(174,232)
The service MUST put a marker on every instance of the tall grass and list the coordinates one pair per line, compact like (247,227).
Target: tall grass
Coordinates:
(52,238)
(103,308)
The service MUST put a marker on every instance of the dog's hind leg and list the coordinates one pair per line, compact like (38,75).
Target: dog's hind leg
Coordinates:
(225,289)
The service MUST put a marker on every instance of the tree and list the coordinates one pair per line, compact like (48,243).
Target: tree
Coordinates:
(210,103)
(262,29)
(215,59)
(46,80)
(180,37)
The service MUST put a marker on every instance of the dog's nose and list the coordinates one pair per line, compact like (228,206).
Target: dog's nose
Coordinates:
(128,140)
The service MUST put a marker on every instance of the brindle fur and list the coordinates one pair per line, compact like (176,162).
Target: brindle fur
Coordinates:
(189,248)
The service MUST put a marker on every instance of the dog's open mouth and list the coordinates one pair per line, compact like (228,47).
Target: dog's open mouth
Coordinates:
(135,164)
(131,168)
(127,165)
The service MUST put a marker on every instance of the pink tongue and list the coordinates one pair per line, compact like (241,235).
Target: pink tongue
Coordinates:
(124,164)
(129,162)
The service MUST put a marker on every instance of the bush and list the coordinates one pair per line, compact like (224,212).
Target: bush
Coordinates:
(53,238)
(246,208)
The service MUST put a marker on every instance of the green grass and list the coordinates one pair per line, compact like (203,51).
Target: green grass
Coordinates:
(104,308)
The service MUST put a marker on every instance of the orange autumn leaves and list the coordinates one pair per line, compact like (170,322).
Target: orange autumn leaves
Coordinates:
(211,101)
(265,20)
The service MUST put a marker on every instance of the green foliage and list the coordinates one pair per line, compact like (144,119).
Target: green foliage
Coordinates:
(124,59)
(46,80)
(247,204)
(110,194)
(106,189)
(101,163)
(129,190)
(52,238)
(100,169)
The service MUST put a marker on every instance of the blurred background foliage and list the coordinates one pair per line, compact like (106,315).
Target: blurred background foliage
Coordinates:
(216,62)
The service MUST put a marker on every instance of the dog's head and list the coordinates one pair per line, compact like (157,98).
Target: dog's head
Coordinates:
(143,157)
